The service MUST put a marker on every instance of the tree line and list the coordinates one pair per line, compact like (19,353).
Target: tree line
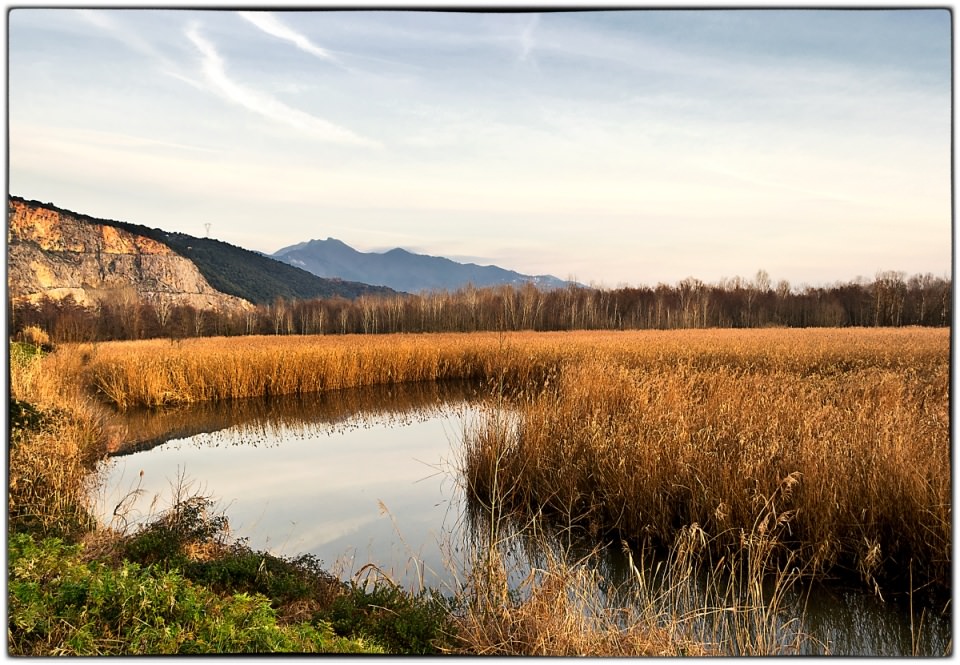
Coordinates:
(890,299)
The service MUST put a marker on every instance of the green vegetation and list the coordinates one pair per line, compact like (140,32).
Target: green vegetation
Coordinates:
(61,604)
(21,353)
(191,538)
(401,621)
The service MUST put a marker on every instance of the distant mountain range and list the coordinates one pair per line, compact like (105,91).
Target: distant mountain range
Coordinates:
(400,269)
(57,253)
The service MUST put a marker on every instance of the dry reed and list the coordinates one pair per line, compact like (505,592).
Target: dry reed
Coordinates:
(50,461)
(689,605)
(700,428)
(674,437)
(638,432)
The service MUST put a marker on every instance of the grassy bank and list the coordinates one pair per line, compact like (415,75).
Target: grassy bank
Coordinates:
(176,585)
(705,441)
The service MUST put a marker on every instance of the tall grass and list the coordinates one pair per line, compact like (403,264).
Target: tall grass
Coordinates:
(757,453)
(165,372)
(641,442)
(159,372)
(638,433)
(57,433)
(686,604)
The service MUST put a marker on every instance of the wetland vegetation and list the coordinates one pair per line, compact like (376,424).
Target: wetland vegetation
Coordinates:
(763,458)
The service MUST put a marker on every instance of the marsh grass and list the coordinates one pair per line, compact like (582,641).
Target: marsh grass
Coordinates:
(750,457)
(162,372)
(56,436)
(640,443)
(635,433)
(532,591)
(155,373)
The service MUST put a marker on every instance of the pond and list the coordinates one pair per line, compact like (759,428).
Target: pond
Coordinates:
(370,476)
(352,477)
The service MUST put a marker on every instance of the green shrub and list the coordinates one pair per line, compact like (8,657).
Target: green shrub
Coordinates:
(23,353)
(404,623)
(281,580)
(164,541)
(235,567)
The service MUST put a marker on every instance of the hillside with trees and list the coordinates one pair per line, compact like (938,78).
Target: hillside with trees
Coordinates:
(230,269)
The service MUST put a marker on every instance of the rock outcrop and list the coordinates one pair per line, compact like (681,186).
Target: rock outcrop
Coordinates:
(54,253)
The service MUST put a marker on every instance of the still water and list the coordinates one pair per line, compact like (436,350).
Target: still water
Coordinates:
(371,476)
(352,477)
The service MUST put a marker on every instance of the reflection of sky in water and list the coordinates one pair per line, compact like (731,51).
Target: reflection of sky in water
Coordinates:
(353,488)
(320,489)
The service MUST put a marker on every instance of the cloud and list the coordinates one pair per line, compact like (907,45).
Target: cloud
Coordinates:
(214,72)
(270,25)
(136,42)
(527,41)
(131,39)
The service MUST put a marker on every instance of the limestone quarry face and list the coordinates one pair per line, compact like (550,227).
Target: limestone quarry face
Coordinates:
(54,254)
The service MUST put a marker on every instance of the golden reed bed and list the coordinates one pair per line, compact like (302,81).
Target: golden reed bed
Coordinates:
(159,372)
(841,436)
(837,439)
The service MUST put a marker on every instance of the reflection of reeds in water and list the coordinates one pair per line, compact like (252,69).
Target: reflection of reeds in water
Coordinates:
(536,588)
(146,428)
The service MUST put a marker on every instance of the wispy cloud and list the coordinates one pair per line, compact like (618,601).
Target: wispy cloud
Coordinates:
(270,25)
(128,37)
(136,42)
(527,42)
(215,74)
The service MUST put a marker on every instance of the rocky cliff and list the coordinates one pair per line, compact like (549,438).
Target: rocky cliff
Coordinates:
(54,253)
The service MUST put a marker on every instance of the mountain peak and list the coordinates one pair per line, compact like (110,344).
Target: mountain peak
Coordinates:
(401,269)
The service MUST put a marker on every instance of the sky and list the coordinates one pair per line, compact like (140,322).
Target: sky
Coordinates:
(619,147)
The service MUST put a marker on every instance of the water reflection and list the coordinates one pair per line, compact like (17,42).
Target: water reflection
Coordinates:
(262,418)
(370,475)
(350,476)
(807,618)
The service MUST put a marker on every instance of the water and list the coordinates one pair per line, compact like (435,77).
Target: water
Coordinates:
(322,474)
(370,476)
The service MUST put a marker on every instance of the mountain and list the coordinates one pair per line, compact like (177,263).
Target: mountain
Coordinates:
(57,252)
(400,269)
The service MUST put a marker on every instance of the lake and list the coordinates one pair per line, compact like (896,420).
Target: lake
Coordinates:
(371,476)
